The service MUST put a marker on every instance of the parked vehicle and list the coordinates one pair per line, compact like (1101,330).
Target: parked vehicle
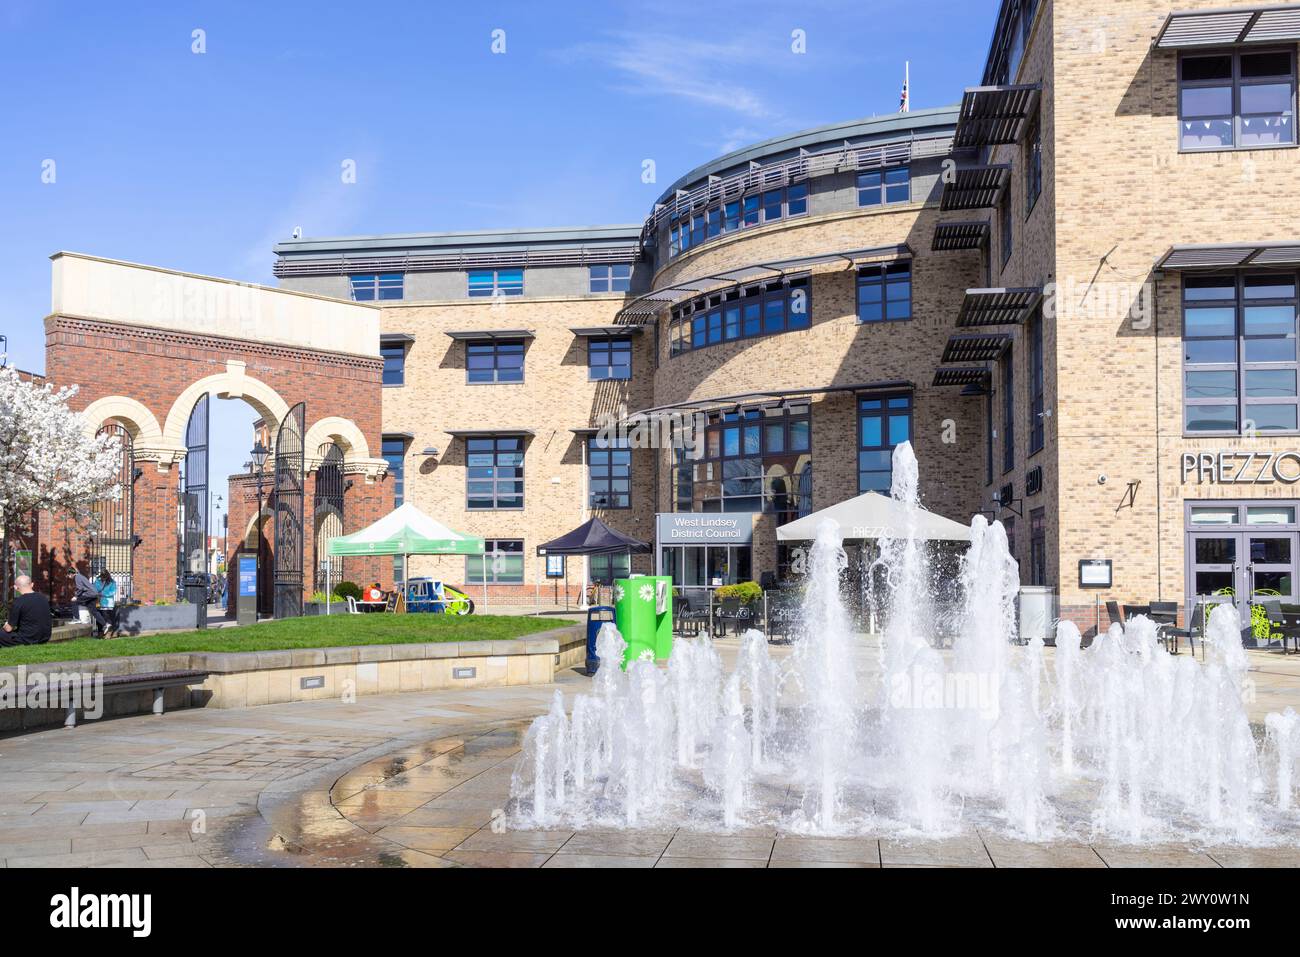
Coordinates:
(430,595)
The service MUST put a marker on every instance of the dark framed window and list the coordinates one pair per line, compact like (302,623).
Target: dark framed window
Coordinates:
(372,286)
(393,451)
(741,312)
(609,358)
(609,473)
(1237,100)
(494,474)
(1038,546)
(1037,420)
(1009,526)
(494,360)
(1004,224)
(687,228)
(884,422)
(753,460)
(613,278)
(605,568)
(879,187)
(1008,412)
(885,292)
(496,282)
(1239,353)
(502,563)
(1033,165)
(394,354)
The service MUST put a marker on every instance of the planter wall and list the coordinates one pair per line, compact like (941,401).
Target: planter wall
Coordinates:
(136,619)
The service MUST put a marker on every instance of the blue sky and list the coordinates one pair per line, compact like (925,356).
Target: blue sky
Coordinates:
(201,162)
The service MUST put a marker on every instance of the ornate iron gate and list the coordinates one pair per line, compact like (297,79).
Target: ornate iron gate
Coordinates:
(193,573)
(328,517)
(112,543)
(288,505)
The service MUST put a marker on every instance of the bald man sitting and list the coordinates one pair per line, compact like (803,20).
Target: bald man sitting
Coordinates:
(29,617)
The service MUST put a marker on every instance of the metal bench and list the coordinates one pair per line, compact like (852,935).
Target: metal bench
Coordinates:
(157,682)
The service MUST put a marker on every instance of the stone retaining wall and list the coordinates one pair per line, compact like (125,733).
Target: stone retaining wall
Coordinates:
(250,679)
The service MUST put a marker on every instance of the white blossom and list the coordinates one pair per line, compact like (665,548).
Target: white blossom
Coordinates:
(647,593)
(47,460)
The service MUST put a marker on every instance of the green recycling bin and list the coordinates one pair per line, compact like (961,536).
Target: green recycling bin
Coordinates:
(643,612)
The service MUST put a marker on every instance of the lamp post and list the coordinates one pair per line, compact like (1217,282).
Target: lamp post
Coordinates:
(256,467)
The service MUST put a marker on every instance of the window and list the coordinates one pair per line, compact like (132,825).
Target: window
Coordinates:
(1237,100)
(742,312)
(1239,351)
(884,422)
(1033,165)
(609,473)
(1038,547)
(885,292)
(1036,416)
(367,288)
(688,227)
(393,450)
(880,186)
(1008,413)
(1009,526)
(605,568)
(494,360)
(752,460)
(495,472)
(615,278)
(609,359)
(394,354)
(502,563)
(1004,222)
(496,282)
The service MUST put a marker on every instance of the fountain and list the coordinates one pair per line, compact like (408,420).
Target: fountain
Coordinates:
(1116,739)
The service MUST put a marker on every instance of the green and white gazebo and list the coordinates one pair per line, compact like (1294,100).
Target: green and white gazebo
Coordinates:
(405,531)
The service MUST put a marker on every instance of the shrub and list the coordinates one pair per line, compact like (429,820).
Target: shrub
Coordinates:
(347,590)
(745,592)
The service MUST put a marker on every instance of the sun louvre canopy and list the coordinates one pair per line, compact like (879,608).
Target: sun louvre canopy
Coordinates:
(994,115)
(593,537)
(950,236)
(1230,256)
(493,334)
(774,396)
(975,347)
(481,433)
(997,307)
(646,307)
(599,332)
(975,187)
(1188,29)
(871,516)
(406,531)
(960,375)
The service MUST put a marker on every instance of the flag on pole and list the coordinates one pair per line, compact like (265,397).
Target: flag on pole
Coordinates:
(905,100)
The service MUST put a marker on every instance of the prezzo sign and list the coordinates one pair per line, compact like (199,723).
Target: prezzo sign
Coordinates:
(1241,468)
(697,529)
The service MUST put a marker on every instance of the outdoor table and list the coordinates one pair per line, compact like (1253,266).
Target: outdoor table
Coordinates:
(1131,610)
(369,607)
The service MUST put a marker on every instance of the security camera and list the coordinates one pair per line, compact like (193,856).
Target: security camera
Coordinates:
(1101,479)
(297,232)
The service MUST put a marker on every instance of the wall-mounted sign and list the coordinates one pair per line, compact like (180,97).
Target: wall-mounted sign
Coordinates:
(1240,468)
(247,576)
(23,562)
(1094,573)
(697,528)
(554,566)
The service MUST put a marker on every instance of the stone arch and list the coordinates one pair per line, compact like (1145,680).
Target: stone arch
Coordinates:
(132,413)
(231,384)
(342,432)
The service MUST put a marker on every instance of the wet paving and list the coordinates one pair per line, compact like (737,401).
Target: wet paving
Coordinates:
(422,780)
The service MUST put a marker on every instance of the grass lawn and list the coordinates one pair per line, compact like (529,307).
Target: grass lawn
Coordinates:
(311,632)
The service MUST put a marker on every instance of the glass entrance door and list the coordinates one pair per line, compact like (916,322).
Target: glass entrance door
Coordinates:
(1242,567)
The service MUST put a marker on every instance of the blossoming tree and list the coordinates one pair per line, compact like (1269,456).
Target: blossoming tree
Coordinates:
(48,462)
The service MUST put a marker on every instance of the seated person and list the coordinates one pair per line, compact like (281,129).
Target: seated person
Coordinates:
(29,617)
(373,593)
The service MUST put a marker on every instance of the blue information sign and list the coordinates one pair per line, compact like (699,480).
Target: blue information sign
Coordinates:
(247,576)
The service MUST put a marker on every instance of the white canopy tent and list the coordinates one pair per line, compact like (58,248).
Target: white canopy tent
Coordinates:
(404,531)
(871,516)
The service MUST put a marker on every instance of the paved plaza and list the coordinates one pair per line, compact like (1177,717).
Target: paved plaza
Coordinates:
(414,780)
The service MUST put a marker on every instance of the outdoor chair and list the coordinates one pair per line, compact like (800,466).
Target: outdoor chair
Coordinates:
(352,606)
(1165,616)
(1195,629)
(1290,627)
(1112,609)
